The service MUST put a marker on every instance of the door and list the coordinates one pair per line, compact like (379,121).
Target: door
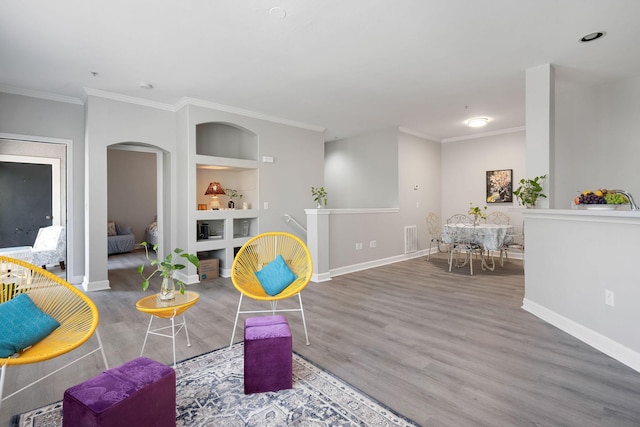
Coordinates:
(25,202)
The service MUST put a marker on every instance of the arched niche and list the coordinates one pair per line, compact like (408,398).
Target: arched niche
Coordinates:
(220,139)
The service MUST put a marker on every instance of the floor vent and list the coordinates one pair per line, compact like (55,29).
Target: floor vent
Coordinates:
(410,238)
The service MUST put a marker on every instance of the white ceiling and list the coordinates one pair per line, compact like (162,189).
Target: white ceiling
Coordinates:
(349,66)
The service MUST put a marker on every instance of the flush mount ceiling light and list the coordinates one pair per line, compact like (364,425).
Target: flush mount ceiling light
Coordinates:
(477,122)
(592,36)
(278,12)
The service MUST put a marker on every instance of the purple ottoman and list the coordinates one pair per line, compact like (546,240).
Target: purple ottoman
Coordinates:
(267,354)
(141,392)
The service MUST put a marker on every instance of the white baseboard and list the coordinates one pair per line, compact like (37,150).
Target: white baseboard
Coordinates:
(322,277)
(376,263)
(100,285)
(596,340)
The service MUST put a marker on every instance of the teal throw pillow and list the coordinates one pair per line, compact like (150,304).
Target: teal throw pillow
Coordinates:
(275,276)
(22,324)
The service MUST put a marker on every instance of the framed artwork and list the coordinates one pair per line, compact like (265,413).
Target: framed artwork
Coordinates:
(500,186)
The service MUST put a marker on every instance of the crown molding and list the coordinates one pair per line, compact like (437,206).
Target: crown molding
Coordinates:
(418,134)
(129,99)
(247,113)
(484,134)
(39,94)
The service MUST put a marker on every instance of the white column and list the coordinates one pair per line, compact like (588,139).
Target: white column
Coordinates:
(318,242)
(540,127)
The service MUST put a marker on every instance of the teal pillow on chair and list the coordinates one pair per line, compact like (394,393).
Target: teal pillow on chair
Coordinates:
(275,276)
(22,324)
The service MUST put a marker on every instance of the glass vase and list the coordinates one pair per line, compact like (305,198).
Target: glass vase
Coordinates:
(167,289)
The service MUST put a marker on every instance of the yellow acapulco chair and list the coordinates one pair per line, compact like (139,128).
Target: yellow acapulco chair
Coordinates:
(76,313)
(258,252)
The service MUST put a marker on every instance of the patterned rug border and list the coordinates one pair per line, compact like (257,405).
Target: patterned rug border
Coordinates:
(57,406)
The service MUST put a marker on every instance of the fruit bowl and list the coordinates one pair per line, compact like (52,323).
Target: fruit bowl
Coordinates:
(601,199)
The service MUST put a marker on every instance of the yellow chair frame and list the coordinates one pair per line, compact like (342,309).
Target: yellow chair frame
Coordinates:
(258,252)
(76,313)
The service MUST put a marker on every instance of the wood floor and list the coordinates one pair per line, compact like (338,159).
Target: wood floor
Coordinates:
(444,349)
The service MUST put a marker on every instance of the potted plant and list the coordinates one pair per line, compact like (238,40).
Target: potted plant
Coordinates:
(319,196)
(529,191)
(477,213)
(166,267)
(233,195)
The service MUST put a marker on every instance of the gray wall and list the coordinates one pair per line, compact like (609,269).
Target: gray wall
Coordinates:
(418,162)
(22,115)
(131,182)
(597,136)
(362,171)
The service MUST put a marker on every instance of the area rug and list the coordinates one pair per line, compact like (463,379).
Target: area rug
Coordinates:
(210,392)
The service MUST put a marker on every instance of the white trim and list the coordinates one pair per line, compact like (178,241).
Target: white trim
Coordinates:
(484,134)
(42,95)
(418,134)
(69,183)
(598,341)
(129,99)
(322,277)
(247,113)
(32,138)
(354,211)
(376,263)
(200,103)
(101,285)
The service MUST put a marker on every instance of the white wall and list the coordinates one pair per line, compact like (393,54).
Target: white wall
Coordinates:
(464,167)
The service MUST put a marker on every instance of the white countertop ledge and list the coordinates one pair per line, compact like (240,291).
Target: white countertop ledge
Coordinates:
(614,216)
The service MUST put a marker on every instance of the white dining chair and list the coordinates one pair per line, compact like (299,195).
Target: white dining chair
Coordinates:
(512,242)
(497,217)
(435,231)
(460,234)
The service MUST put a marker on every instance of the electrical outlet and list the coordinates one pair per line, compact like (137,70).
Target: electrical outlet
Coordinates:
(609,297)
(358,246)
(265,205)
(373,244)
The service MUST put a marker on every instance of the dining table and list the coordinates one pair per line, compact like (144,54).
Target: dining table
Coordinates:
(490,237)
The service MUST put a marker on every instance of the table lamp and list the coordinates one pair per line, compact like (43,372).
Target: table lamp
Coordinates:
(214,190)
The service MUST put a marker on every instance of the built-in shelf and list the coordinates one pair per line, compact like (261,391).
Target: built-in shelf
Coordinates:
(214,162)
(227,154)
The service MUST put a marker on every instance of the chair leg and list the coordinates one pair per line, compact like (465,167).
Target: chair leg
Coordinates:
(4,369)
(146,335)
(235,324)
(173,339)
(304,322)
(104,356)
(49,374)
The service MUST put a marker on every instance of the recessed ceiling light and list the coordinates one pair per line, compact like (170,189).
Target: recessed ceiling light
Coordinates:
(477,122)
(145,85)
(592,36)
(278,12)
